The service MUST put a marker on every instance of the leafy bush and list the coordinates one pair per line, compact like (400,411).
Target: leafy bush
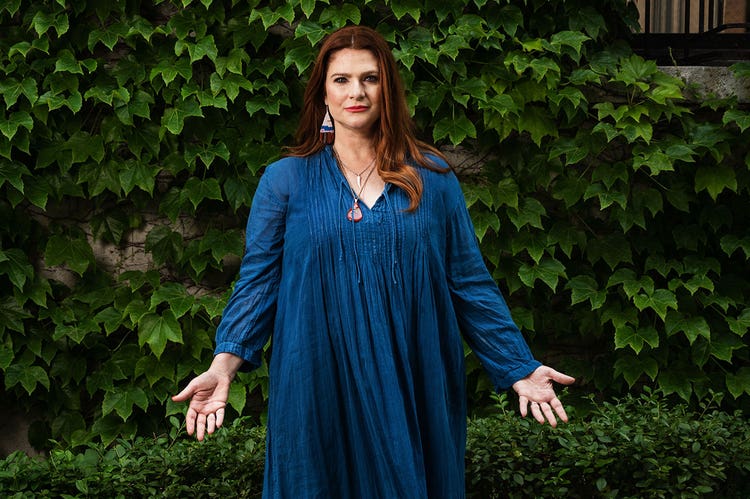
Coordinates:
(635,447)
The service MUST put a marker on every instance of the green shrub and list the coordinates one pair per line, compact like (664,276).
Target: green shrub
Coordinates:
(636,447)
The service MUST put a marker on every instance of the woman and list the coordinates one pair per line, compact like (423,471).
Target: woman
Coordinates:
(361,259)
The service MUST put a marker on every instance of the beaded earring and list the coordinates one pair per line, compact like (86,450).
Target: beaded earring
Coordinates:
(326,129)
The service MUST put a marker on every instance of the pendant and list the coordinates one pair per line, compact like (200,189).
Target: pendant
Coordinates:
(359,181)
(355,213)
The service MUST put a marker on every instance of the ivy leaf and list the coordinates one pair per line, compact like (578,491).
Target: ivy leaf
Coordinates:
(741,324)
(675,381)
(15,264)
(237,396)
(548,270)
(197,190)
(75,332)
(313,31)
(632,368)
(222,243)
(692,327)
(12,89)
(239,189)
(529,213)
(205,47)
(12,315)
(137,173)
(27,376)
(17,119)
(715,179)
(535,243)
(584,288)
(164,244)
(455,128)
(483,220)
(174,117)
(739,383)
(538,123)
(627,336)
(729,243)
(110,318)
(175,295)
(154,369)
(740,117)
(43,21)
(614,249)
(157,330)
(76,253)
(505,193)
(402,7)
(510,19)
(660,301)
(123,399)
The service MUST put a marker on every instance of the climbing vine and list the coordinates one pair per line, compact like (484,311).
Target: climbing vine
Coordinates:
(610,202)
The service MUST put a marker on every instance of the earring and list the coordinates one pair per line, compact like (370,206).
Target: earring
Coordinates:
(326,129)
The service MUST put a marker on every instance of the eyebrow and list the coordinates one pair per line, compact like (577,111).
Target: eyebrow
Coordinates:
(366,73)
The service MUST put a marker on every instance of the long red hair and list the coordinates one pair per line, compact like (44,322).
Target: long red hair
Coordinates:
(396,144)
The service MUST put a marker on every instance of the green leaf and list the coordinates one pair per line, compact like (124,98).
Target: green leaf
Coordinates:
(198,190)
(27,376)
(43,21)
(75,332)
(739,383)
(635,338)
(205,47)
(137,174)
(660,301)
(222,243)
(456,128)
(12,89)
(729,243)
(237,396)
(674,380)
(742,118)
(549,270)
(154,369)
(164,244)
(741,324)
(715,179)
(76,253)
(535,243)
(175,295)
(402,7)
(17,119)
(585,288)
(157,330)
(123,399)
(15,264)
(538,123)
(614,249)
(632,368)
(174,117)
(483,220)
(529,213)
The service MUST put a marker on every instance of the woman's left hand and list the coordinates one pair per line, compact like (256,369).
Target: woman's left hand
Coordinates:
(537,391)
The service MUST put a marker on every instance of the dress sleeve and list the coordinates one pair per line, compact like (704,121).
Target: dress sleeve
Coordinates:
(247,320)
(482,313)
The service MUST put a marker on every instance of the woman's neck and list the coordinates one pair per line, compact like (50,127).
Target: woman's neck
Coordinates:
(355,148)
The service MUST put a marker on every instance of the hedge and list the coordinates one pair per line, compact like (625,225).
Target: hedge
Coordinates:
(636,447)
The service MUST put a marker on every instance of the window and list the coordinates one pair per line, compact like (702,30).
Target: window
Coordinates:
(693,32)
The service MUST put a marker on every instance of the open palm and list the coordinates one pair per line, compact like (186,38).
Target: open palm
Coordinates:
(537,390)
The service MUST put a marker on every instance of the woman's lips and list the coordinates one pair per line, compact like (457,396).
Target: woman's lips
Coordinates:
(357,109)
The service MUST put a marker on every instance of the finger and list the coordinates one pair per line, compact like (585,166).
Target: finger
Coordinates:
(559,409)
(201,427)
(190,421)
(219,417)
(523,403)
(537,413)
(547,410)
(185,394)
(561,378)
(211,423)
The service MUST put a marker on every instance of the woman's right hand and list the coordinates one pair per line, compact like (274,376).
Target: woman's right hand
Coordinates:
(208,394)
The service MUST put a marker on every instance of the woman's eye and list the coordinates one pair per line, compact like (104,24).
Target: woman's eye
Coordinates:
(340,79)
(371,78)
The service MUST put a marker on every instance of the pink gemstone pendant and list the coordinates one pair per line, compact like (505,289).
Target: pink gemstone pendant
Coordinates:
(355,213)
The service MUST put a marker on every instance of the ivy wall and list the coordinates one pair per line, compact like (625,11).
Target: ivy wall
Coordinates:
(612,208)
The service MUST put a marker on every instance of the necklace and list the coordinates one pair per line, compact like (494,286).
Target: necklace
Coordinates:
(354,214)
(358,175)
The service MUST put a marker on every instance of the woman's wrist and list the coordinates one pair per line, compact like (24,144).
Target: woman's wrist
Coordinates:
(226,364)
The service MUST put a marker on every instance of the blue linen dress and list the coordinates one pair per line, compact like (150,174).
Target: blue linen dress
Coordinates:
(367,383)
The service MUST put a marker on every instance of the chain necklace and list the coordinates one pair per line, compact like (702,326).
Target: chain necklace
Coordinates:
(355,212)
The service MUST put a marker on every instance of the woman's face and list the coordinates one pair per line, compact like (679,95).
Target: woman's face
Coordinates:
(353,90)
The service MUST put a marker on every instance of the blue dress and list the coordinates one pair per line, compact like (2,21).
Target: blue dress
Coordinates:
(367,383)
